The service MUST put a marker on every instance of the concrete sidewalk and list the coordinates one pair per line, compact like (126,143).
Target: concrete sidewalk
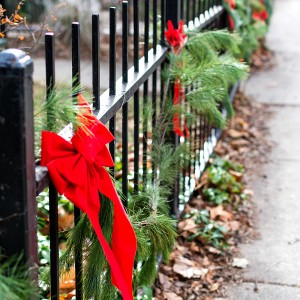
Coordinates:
(275,257)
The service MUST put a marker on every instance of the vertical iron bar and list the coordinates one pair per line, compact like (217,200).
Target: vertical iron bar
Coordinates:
(194,10)
(154,81)
(112,77)
(173,11)
(145,133)
(76,82)
(96,60)
(181,9)
(125,41)
(53,196)
(125,105)
(154,26)
(154,95)
(136,96)
(145,96)
(163,20)
(187,12)
(162,38)
(136,35)
(146,31)
(112,51)
(76,54)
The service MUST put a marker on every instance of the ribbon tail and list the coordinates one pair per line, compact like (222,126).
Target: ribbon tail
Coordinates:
(119,280)
(176,103)
(231,23)
(185,126)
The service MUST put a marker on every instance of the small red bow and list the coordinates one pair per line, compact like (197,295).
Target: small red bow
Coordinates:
(231,3)
(260,16)
(175,37)
(77,169)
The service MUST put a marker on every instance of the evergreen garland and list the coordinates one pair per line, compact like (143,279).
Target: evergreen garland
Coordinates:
(14,279)
(207,67)
(250,19)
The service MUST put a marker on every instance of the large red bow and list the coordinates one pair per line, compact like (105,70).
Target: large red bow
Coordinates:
(77,169)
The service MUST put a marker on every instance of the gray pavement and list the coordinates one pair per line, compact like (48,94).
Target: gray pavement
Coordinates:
(274,271)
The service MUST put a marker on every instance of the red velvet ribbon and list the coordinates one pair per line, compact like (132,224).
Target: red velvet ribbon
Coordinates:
(177,98)
(231,21)
(77,169)
(176,39)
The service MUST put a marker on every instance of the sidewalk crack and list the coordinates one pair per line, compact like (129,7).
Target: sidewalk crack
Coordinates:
(256,282)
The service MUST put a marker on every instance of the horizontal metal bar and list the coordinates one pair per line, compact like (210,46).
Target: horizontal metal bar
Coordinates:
(207,22)
(124,91)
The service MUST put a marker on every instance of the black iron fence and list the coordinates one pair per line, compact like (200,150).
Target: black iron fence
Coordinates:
(21,180)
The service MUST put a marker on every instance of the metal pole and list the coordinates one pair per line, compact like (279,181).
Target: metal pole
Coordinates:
(18,226)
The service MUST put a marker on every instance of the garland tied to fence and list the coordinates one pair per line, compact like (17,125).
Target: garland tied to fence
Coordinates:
(177,39)
(250,19)
(77,169)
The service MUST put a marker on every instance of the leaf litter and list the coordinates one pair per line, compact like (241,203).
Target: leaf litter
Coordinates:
(197,269)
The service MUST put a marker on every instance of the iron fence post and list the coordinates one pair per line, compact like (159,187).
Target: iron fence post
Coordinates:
(18,225)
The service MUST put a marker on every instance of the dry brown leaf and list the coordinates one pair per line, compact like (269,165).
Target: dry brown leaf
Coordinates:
(219,212)
(235,134)
(248,192)
(65,220)
(188,225)
(237,175)
(214,287)
(241,263)
(172,296)
(194,247)
(206,262)
(233,225)
(235,144)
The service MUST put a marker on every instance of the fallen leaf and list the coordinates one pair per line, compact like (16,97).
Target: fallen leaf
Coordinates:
(241,263)
(233,225)
(187,225)
(236,134)
(239,143)
(219,212)
(214,287)
(172,296)
(237,175)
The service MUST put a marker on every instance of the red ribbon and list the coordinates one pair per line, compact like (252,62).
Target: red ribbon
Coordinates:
(176,39)
(177,98)
(77,169)
(232,6)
